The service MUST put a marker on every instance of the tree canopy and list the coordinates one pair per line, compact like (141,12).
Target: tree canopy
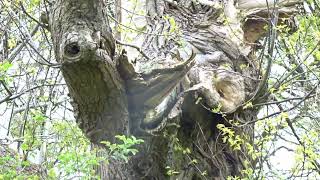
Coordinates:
(261,57)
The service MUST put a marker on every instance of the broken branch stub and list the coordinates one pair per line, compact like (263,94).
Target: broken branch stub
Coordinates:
(217,83)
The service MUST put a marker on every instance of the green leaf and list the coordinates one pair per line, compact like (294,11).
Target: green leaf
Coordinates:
(52,173)
(248,105)
(5,65)
(24,146)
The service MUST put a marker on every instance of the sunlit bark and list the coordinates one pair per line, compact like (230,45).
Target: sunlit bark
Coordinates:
(110,97)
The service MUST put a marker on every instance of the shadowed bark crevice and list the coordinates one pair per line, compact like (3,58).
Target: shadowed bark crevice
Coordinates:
(197,72)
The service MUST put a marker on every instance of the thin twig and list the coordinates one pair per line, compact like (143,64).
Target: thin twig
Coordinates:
(133,46)
(286,110)
(26,13)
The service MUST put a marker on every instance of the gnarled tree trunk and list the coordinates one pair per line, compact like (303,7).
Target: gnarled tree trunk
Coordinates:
(199,62)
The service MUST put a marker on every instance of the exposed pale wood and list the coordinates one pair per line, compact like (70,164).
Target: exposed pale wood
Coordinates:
(264,4)
(112,96)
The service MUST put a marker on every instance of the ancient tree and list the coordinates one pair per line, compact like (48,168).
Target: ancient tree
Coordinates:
(197,68)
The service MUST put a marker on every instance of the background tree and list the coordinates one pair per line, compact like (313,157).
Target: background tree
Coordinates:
(192,92)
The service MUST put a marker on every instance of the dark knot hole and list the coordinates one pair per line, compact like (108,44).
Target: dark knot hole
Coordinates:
(72,49)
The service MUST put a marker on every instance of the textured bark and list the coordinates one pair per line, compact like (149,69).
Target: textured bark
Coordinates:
(154,99)
(85,47)
(216,78)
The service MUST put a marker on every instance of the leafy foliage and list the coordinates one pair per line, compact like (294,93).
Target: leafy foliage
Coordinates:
(123,150)
(40,139)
